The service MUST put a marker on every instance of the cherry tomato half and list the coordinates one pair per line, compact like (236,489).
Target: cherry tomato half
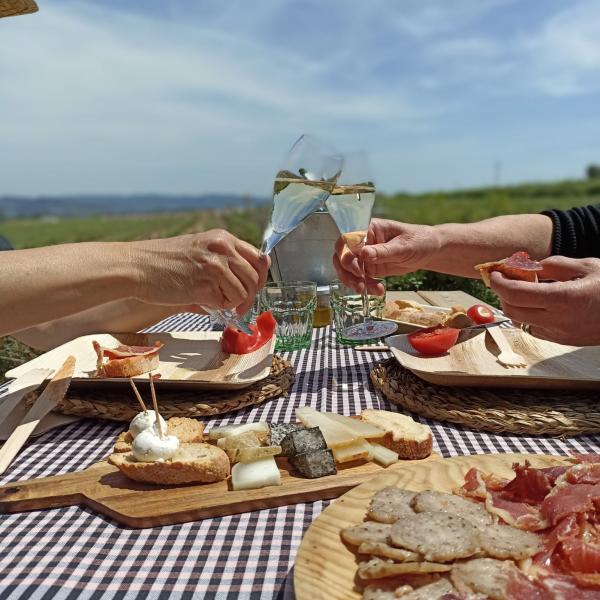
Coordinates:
(235,341)
(433,340)
(481,314)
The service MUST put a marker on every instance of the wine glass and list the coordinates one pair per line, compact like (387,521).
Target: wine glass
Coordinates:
(351,204)
(302,185)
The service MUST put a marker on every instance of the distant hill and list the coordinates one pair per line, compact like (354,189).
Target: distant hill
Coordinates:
(12,207)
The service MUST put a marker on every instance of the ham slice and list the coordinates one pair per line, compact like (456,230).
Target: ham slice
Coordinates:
(126,361)
(568,499)
(518,266)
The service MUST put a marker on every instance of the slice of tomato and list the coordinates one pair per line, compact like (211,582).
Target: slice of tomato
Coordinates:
(235,341)
(481,314)
(433,340)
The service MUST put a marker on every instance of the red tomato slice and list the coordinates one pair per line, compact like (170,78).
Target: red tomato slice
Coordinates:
(481,314)
(433,340)
(235,341)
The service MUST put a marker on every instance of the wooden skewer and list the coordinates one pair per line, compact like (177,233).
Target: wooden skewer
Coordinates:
(137,395)
(155,403)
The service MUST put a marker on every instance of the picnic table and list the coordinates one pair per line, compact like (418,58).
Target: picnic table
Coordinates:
(74,553)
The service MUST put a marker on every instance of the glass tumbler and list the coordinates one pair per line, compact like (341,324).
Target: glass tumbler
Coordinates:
(292,304)
(347,310)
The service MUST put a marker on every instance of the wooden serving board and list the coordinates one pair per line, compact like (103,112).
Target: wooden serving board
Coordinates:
(326,567)
(472,362)
(103,488)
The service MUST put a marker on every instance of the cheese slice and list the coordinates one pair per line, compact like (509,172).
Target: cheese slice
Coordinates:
(335,433)
(220,432)
(257,474)
(361,428)
(382,455)
(359,450)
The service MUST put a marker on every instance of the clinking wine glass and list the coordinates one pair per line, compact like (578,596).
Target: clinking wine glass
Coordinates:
(302,185)
(351,204)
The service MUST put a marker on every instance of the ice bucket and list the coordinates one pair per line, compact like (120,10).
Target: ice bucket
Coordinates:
(306,253)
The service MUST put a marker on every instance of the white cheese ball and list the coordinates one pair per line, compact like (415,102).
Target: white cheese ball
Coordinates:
(143,421)
(149,447)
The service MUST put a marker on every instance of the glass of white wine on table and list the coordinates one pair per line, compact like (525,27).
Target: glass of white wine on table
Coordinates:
(351,204)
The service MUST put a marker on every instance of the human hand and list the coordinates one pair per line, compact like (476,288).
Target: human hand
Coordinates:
(392,248)
(213,269)
(563,310)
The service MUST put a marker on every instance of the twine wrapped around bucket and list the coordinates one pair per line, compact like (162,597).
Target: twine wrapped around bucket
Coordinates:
(531,412)
(121,405)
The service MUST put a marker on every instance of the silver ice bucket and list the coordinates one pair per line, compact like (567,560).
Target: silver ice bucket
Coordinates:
(306,253)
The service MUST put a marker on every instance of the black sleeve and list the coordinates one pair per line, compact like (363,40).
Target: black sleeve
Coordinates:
(576,232)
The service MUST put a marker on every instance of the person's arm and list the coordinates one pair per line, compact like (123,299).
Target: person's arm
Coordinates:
(395,248)
(212,269)
(120,316)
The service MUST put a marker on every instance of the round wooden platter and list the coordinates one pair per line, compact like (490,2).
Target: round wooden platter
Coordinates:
(326,567)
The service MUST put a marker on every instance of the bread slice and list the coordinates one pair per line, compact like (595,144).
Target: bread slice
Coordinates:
(131,366)
(187,430)
(403,435)
(192,463)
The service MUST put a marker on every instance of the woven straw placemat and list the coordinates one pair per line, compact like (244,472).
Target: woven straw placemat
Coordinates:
(120,405)
(532,412)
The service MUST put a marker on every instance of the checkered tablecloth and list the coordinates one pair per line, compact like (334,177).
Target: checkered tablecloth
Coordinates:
(74,553)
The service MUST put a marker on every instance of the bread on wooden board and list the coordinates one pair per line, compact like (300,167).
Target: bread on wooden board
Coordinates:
(186,429)
(131,366)
(192,463)
(403,435)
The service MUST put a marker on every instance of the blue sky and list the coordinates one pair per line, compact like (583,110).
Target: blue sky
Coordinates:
(191,97)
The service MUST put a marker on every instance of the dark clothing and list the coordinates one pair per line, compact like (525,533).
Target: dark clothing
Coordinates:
(576,232)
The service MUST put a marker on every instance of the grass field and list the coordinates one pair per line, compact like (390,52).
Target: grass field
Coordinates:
(249,223)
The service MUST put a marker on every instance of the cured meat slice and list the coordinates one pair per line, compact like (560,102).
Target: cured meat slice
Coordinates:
(433,591)
(569,499)
(504,541)
(384,550)
(518,266)
(377,568)
(430,501)
(518,514)
(438,536)
(389,504)
(369,531)
(529,485)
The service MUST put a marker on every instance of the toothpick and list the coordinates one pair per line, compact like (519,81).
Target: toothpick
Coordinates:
(155,403)
(137,395)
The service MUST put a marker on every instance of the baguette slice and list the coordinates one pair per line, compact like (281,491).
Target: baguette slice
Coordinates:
(403,435)
(193,463)
(131,366)
(185,429)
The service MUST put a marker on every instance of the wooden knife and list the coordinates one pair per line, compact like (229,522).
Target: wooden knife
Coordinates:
(53,393)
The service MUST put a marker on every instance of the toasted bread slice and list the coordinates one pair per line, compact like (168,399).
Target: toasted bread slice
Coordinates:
(193,463)
(131,366)
(187,430)
(403,435)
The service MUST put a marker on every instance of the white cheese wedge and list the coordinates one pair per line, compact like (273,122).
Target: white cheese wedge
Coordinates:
(361,428)
(335,434)
(382,455)
(221,432)
(257,474)
(359,450)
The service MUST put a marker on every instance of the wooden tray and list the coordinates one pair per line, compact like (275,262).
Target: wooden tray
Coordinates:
(472,363)
(326,568)
(105,490)
(188,359)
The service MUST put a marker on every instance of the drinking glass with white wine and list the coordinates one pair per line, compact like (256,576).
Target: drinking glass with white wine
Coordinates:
(351,204)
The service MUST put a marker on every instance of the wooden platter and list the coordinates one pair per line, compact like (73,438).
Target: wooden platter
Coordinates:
(325,567)
(105,490)
(188,360)
(472,363)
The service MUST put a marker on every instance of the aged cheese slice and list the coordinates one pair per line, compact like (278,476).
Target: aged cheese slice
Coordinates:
(257,474)
(335,433)
(251,454)
(359,450)
(382,455)
(362,428)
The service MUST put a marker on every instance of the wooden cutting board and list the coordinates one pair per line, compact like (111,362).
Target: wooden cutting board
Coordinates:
(104,489)
(326,568)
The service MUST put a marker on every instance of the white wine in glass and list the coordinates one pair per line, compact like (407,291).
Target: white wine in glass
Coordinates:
(351,204)
(301,187)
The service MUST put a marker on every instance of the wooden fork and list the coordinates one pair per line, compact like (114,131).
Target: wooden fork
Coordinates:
(507,357)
